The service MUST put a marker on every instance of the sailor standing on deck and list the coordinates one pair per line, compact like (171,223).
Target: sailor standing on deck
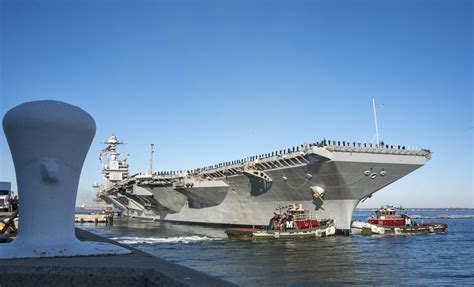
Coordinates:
(284,221)
(271,224)
(277,222)
(10,204)
(15,203)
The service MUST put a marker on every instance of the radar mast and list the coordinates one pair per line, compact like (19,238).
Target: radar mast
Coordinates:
(114,168)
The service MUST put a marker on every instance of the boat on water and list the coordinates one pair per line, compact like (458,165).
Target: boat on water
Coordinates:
(96,209)
(296,222)
(328,177)
(389,220)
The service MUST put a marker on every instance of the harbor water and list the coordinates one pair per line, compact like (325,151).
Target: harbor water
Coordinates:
(430,259)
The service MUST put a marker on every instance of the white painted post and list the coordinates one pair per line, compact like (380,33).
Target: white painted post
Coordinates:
(152,150)
(376,124)
(49,141)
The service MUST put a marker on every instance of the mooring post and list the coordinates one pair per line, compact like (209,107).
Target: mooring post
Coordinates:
(49,141)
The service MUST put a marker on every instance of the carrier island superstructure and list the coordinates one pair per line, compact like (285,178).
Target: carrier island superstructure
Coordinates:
(327,177)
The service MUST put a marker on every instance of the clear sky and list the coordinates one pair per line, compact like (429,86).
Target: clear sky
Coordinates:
(213,81)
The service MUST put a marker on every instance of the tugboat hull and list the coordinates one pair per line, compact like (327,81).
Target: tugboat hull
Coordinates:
(388,220)
(397,230)
(251,233)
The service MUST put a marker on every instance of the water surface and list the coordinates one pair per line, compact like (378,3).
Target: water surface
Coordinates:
(431,259)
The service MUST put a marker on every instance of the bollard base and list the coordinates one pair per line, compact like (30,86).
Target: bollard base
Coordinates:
(18,249)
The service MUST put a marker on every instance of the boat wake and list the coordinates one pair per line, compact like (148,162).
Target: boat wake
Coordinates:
(158,240)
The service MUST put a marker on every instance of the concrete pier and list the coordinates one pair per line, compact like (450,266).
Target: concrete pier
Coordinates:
(135,269)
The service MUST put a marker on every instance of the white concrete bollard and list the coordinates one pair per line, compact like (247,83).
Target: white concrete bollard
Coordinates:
(49,141)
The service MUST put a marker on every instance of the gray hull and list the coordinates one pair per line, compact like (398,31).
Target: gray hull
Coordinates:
(347,175)
(344,182)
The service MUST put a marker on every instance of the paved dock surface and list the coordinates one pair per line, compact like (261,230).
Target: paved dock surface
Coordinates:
(136,269)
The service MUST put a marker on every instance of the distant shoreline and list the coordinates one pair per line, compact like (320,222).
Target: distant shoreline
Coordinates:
(423,209)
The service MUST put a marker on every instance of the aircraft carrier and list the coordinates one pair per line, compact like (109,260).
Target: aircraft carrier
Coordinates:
(327,177)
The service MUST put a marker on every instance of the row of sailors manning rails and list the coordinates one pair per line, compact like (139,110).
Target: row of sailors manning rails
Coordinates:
(302,147)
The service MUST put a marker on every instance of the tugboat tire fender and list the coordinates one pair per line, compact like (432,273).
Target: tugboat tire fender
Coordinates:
(374,229)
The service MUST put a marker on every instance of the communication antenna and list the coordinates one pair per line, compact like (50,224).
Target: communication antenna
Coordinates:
(152,150)
(376,125)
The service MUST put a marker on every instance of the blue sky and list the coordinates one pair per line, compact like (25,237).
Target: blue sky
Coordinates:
(213,81)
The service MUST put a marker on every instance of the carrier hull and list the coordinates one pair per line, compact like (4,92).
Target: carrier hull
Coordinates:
(328,180)
(344,183)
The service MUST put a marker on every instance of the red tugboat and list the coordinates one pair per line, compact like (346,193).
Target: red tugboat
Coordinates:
(389,216)
(296,222)
(388,220)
